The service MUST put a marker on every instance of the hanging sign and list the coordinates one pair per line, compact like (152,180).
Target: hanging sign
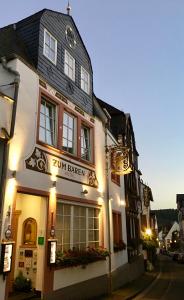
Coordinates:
(147,194)
(120,162)
(45,162)
(6,257)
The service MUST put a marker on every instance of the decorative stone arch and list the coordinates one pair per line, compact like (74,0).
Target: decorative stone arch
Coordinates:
(29,232)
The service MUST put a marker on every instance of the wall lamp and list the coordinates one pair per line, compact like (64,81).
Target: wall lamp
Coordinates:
(54,184)
(14,173)
(84,192)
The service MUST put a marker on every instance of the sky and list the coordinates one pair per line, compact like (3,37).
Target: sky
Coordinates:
(137,53)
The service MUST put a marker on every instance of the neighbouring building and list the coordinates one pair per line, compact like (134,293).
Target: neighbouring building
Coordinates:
(169,237)
(60,192)
(122,129)
(146,199)
(180,207)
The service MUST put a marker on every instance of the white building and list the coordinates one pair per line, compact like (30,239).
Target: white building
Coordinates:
(57,187)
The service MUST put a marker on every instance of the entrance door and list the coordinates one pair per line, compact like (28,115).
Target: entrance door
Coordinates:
(30,244)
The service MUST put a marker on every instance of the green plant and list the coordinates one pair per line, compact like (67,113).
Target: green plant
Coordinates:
(22,284)
(151,246)
(78,257)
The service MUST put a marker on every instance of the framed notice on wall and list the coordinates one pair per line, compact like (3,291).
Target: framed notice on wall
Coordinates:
(52,244)
(6,257)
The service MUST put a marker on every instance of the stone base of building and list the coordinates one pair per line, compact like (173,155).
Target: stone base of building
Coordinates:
(88,289)
(128,272)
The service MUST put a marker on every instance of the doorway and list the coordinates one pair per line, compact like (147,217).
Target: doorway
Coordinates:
(30,235)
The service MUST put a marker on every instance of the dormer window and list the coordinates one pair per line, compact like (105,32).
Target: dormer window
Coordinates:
(69,66)
(50,47)
(85,82)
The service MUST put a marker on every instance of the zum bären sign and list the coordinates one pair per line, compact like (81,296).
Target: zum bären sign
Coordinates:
(44,162)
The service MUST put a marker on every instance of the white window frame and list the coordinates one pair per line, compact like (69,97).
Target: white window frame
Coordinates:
(72,229)
(85,144)
(52,122)
(69,65)
(85,81)
(68,128)
(44,48)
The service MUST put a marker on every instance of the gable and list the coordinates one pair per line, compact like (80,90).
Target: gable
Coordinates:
(55,25)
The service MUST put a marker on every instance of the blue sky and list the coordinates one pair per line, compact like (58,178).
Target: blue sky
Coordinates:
(137,53)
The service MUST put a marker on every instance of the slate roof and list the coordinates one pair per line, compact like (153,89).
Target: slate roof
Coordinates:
(111,109)
(119,120)
(11,44)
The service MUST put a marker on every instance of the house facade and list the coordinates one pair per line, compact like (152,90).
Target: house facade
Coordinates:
(59,197)
(146,199)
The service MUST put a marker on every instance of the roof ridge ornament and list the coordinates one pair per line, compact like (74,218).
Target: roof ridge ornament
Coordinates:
(68,8)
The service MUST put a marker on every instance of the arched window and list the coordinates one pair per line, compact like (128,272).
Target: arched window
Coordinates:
(29,232)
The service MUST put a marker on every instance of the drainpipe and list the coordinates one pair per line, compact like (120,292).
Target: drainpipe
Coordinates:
(16,83)
(12,127)
(108,203)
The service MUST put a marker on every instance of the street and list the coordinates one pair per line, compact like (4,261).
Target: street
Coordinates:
(169,283)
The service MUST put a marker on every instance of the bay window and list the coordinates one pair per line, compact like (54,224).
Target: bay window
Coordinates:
(77,227)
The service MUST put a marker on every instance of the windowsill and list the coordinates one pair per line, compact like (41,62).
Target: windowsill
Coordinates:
(53,62)
(86,93)
(67,154)
(69,78)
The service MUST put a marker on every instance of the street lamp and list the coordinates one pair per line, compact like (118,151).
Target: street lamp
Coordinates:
(148,232)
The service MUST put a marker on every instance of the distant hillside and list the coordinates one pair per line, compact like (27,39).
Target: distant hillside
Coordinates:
(166,217)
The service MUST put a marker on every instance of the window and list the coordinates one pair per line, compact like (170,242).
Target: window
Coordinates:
(69,66)
(50,47)
(85,143)
(76,226)
(68,133)
(84,80)
(74,135)
(117,228)
(47,130)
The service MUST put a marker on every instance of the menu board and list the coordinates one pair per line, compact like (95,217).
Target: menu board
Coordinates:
(7,257)
(53,252)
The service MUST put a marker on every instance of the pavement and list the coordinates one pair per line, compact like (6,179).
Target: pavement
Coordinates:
(135,287)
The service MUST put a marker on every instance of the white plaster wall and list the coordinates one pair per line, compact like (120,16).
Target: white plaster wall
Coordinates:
(117,195)
(24,140)
(35,207)
(70,276)
(101,173)
(6,78)
(2,287)
(22,146)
